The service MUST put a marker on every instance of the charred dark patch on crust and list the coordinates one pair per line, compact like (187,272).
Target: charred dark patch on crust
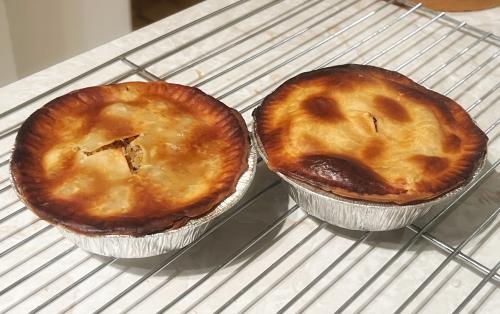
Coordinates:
(323,108)
(431,165)
(355,74)
(347,173)
(344,84)
(391,109)
(432,100)
(451,143)
(373,150)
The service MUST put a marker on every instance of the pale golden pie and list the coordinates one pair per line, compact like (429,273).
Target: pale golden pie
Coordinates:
(132,158)
(370,134)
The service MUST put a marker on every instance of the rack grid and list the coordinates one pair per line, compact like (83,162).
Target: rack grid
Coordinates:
(266,254)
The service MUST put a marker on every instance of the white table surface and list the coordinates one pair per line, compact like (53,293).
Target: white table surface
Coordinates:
(442,295)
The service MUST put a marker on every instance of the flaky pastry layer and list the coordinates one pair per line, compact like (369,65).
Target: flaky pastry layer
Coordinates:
(133,158)
(367,133)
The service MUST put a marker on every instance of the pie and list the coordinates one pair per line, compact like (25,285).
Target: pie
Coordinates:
(369,134)
(131,159)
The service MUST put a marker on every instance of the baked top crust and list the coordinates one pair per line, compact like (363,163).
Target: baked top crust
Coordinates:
(370,134)
(133,158)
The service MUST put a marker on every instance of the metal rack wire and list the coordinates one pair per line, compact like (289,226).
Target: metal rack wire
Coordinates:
(329,33)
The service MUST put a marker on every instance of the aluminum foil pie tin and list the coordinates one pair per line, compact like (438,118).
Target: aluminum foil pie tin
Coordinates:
(125,246)
(356,214)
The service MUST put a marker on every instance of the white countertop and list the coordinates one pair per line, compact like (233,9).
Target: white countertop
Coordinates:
(291,275)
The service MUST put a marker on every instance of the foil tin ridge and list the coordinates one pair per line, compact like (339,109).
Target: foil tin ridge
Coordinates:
(358,214)
(126,246)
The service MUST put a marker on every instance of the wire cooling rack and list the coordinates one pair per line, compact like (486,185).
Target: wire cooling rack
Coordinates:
(266,254)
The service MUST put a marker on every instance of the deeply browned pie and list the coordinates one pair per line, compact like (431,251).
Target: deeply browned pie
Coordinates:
(370,134)
(132,158)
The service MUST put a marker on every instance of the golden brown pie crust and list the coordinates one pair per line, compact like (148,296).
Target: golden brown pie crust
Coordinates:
(132,158)
(370,134)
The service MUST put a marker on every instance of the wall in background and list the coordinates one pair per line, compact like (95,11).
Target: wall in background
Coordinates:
(35,34)
(8,71)
(41,33)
